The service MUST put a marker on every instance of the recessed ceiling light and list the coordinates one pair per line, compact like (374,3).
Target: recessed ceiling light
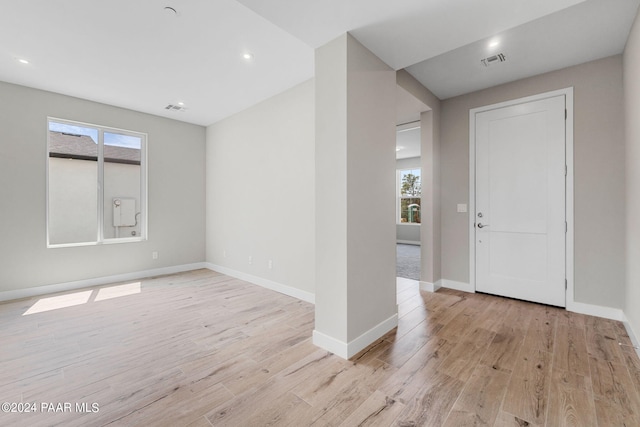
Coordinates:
(181,104)
(248,56)
(23,61)
(494,43)
(170,11)
(398,149)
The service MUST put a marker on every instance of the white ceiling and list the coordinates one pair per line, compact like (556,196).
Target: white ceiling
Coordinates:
(133,54)
(590,30)
(403,32)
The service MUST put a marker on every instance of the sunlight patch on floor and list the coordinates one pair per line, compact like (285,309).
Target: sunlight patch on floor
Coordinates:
(118,291)
(78,298)
(60,301)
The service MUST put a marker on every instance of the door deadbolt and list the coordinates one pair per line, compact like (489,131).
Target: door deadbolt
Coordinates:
(479,214)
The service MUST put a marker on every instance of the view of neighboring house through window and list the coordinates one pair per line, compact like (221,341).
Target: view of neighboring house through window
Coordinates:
(96,184)
(409,192)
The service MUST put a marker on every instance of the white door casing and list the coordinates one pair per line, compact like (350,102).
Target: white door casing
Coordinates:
(518,197)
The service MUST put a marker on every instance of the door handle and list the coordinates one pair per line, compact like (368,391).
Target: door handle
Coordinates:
(480,225)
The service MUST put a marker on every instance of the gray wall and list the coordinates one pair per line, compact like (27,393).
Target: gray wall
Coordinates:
(408,232)
(599,175)
(355,190)
(430,140)
(176,192)
(411,162)
(260,189)
(632,113)
(371,136)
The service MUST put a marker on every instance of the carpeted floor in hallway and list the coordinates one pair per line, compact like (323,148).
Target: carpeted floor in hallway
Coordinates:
(408,261)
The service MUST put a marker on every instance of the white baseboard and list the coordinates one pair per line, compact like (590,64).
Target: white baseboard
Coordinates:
(632,334)
(458,286)
(68,286)
(350,349)
(405,281)
(596,310)
(408,242)
(335,346)
(265,283)
(430,287)
(363,341)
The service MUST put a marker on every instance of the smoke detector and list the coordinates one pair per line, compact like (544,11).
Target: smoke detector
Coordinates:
(493,59)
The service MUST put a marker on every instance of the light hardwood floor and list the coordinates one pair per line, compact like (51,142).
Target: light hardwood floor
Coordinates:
(203,349)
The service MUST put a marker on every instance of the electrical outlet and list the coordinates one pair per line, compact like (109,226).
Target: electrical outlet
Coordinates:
(250,260)
(154,254)
(270,264)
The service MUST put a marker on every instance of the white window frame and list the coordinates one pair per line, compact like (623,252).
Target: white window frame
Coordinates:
(399,196)
(100,239)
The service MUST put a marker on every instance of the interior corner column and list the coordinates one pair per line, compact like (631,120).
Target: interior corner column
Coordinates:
(430,228)
(355,197)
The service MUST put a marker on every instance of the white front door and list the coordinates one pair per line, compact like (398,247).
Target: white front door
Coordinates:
(519,213)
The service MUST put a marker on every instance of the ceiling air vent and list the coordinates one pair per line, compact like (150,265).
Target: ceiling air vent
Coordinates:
(493,60)
(175,107)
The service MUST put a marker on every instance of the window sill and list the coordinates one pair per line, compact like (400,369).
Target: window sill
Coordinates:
(105,242)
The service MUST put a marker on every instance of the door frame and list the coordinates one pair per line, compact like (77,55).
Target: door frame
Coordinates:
(569,213)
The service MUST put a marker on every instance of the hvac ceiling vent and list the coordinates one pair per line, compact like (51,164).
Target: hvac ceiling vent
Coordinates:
(175,107)
(493,60)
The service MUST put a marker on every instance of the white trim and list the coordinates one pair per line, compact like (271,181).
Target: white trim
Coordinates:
(98,281)
(68,286)
(404,281)
(430,287)
(350,349)
(597,310)
(366,339)
(265,283)
(631,332)
(458,286)
(632,335)
(331,344)
(414,124)
(144,191)
(408,242)
(569,212)
(472,198)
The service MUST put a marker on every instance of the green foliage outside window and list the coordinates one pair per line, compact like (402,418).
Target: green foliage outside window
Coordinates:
(410,192)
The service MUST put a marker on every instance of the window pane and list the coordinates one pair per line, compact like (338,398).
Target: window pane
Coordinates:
(410,210)
(95,184)
(410,183)
(122,185)
(73,177)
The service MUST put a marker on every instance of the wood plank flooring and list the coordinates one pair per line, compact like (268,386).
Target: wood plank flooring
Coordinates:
(203,349)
